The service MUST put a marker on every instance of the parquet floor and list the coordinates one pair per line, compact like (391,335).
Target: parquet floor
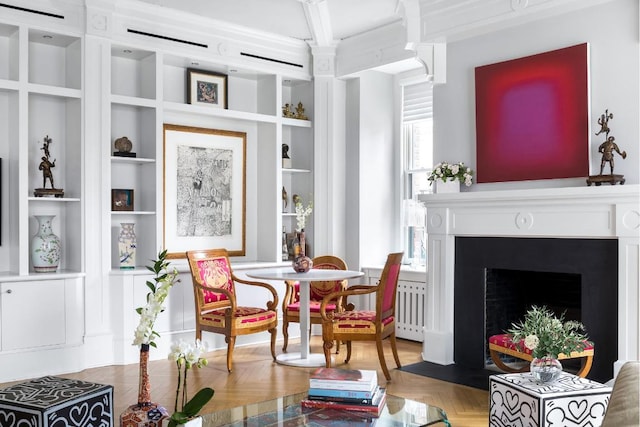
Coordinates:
(256,378)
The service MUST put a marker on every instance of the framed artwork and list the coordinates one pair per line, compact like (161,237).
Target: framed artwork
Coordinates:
(204,190)
(121,199)
(206,88)
(532,117)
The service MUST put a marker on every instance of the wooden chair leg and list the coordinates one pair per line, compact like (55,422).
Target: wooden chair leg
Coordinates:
(585,366)
(274,333)
(327,345)
(285,335)
(495,356)
(394,349)
(231,342)
(387,375)
(346,360)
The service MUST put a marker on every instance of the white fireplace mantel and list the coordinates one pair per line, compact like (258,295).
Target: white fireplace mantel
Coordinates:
(576,212)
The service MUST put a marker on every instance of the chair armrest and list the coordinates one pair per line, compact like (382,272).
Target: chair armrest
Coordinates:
(230,297)
(271,305)
(351,290)
(290,295)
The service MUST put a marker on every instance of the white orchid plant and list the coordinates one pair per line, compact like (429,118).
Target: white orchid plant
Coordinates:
(188,356)
(159,290)
(301,214)
(445,171)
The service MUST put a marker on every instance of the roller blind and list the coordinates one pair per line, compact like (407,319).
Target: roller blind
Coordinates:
(417,102)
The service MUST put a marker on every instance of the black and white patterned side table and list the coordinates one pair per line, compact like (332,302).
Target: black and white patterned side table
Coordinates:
(517,400)
(56,402)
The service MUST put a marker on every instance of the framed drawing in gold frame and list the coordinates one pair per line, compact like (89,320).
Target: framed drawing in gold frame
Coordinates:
(204,190)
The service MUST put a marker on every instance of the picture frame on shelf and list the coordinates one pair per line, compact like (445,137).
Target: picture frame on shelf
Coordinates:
(204,194)
(121,199)
(206,88)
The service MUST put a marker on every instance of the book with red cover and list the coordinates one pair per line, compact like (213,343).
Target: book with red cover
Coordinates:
(373,409)
(344,379)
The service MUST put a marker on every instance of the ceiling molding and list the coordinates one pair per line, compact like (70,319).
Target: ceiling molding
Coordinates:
(319,21)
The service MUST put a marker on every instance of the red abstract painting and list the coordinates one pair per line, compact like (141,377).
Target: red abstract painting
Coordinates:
(532,117)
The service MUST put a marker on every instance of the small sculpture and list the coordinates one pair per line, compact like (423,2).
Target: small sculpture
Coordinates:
(286,111)
(285,200)
(286,160)
(607,148)
(45,166)
(300,112)
(124,146)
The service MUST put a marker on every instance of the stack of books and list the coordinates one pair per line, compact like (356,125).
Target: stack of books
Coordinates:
(345,389)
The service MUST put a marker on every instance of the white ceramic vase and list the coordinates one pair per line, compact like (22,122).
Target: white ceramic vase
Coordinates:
(45,246)
(447,187)
(127,246)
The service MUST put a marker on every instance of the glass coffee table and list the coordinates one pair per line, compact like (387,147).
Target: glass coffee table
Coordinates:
(287,412)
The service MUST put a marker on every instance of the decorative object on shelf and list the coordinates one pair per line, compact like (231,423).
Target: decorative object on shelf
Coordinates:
(287,112)
(511,100)
(127,246)
(121,199)
(45,166)
(547,336)
(607,148)
(45,246)
(300,112)
(285,247)
(206,88)
(204,190)
(285,199)
(124,146)
(301,262)
(145,412)
(448,176)
(286,160)
(186,357)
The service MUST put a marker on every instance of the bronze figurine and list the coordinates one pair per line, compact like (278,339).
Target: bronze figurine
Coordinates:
(607,148)
(45,166)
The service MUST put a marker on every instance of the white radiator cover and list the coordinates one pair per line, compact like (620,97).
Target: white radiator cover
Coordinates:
(577,212)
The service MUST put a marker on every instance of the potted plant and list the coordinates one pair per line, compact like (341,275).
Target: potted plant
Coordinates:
(186,412)
(547,336)
(450,174)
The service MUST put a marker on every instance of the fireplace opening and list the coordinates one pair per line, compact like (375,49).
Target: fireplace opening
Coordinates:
(510,293)
(585,269)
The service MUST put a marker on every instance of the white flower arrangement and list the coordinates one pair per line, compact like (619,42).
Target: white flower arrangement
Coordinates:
(164,280)
(188,356)
(445,171)
(301,214)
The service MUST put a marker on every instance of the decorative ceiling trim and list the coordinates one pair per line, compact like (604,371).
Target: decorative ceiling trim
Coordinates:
(319,21)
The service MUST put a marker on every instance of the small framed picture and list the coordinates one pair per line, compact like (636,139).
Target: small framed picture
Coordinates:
(121,199)
(206,88)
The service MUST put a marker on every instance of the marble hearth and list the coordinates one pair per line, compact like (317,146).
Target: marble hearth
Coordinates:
(576,214)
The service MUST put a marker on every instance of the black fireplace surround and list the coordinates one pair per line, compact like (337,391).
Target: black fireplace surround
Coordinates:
(594,260)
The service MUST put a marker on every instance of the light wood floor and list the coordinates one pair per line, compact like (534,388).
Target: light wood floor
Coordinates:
(256,377)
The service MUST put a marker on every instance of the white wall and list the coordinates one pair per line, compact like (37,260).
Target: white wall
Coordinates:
(611,30)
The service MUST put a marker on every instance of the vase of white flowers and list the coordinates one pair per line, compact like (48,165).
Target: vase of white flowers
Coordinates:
(448,176)
(188,356)
(546,337)
(301,262)
(145,412)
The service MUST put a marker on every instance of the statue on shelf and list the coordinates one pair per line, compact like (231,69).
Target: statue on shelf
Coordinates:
(300,112)
(286,111)
(124,146)
(285,200)
(45,166)
(286,160)
(607,148)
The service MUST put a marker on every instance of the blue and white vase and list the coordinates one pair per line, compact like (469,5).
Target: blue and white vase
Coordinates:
(45,246)
(127,246)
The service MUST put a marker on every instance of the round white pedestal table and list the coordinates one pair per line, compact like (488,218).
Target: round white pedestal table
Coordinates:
(304,358)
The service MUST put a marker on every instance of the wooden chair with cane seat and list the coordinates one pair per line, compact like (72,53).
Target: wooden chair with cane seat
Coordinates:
(365,325)
(317,291)
(217,311)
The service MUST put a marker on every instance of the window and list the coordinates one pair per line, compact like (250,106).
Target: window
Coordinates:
(417,147)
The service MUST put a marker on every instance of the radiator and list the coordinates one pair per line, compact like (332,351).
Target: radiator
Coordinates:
(410,305)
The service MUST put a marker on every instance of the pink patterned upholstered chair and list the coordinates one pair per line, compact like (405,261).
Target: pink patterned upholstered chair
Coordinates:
(214,287)
(365,325)
(317,291)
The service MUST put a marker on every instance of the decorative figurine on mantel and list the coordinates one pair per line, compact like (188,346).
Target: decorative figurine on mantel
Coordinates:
(286,160)
(124,146)
(607,148)
(45,166)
